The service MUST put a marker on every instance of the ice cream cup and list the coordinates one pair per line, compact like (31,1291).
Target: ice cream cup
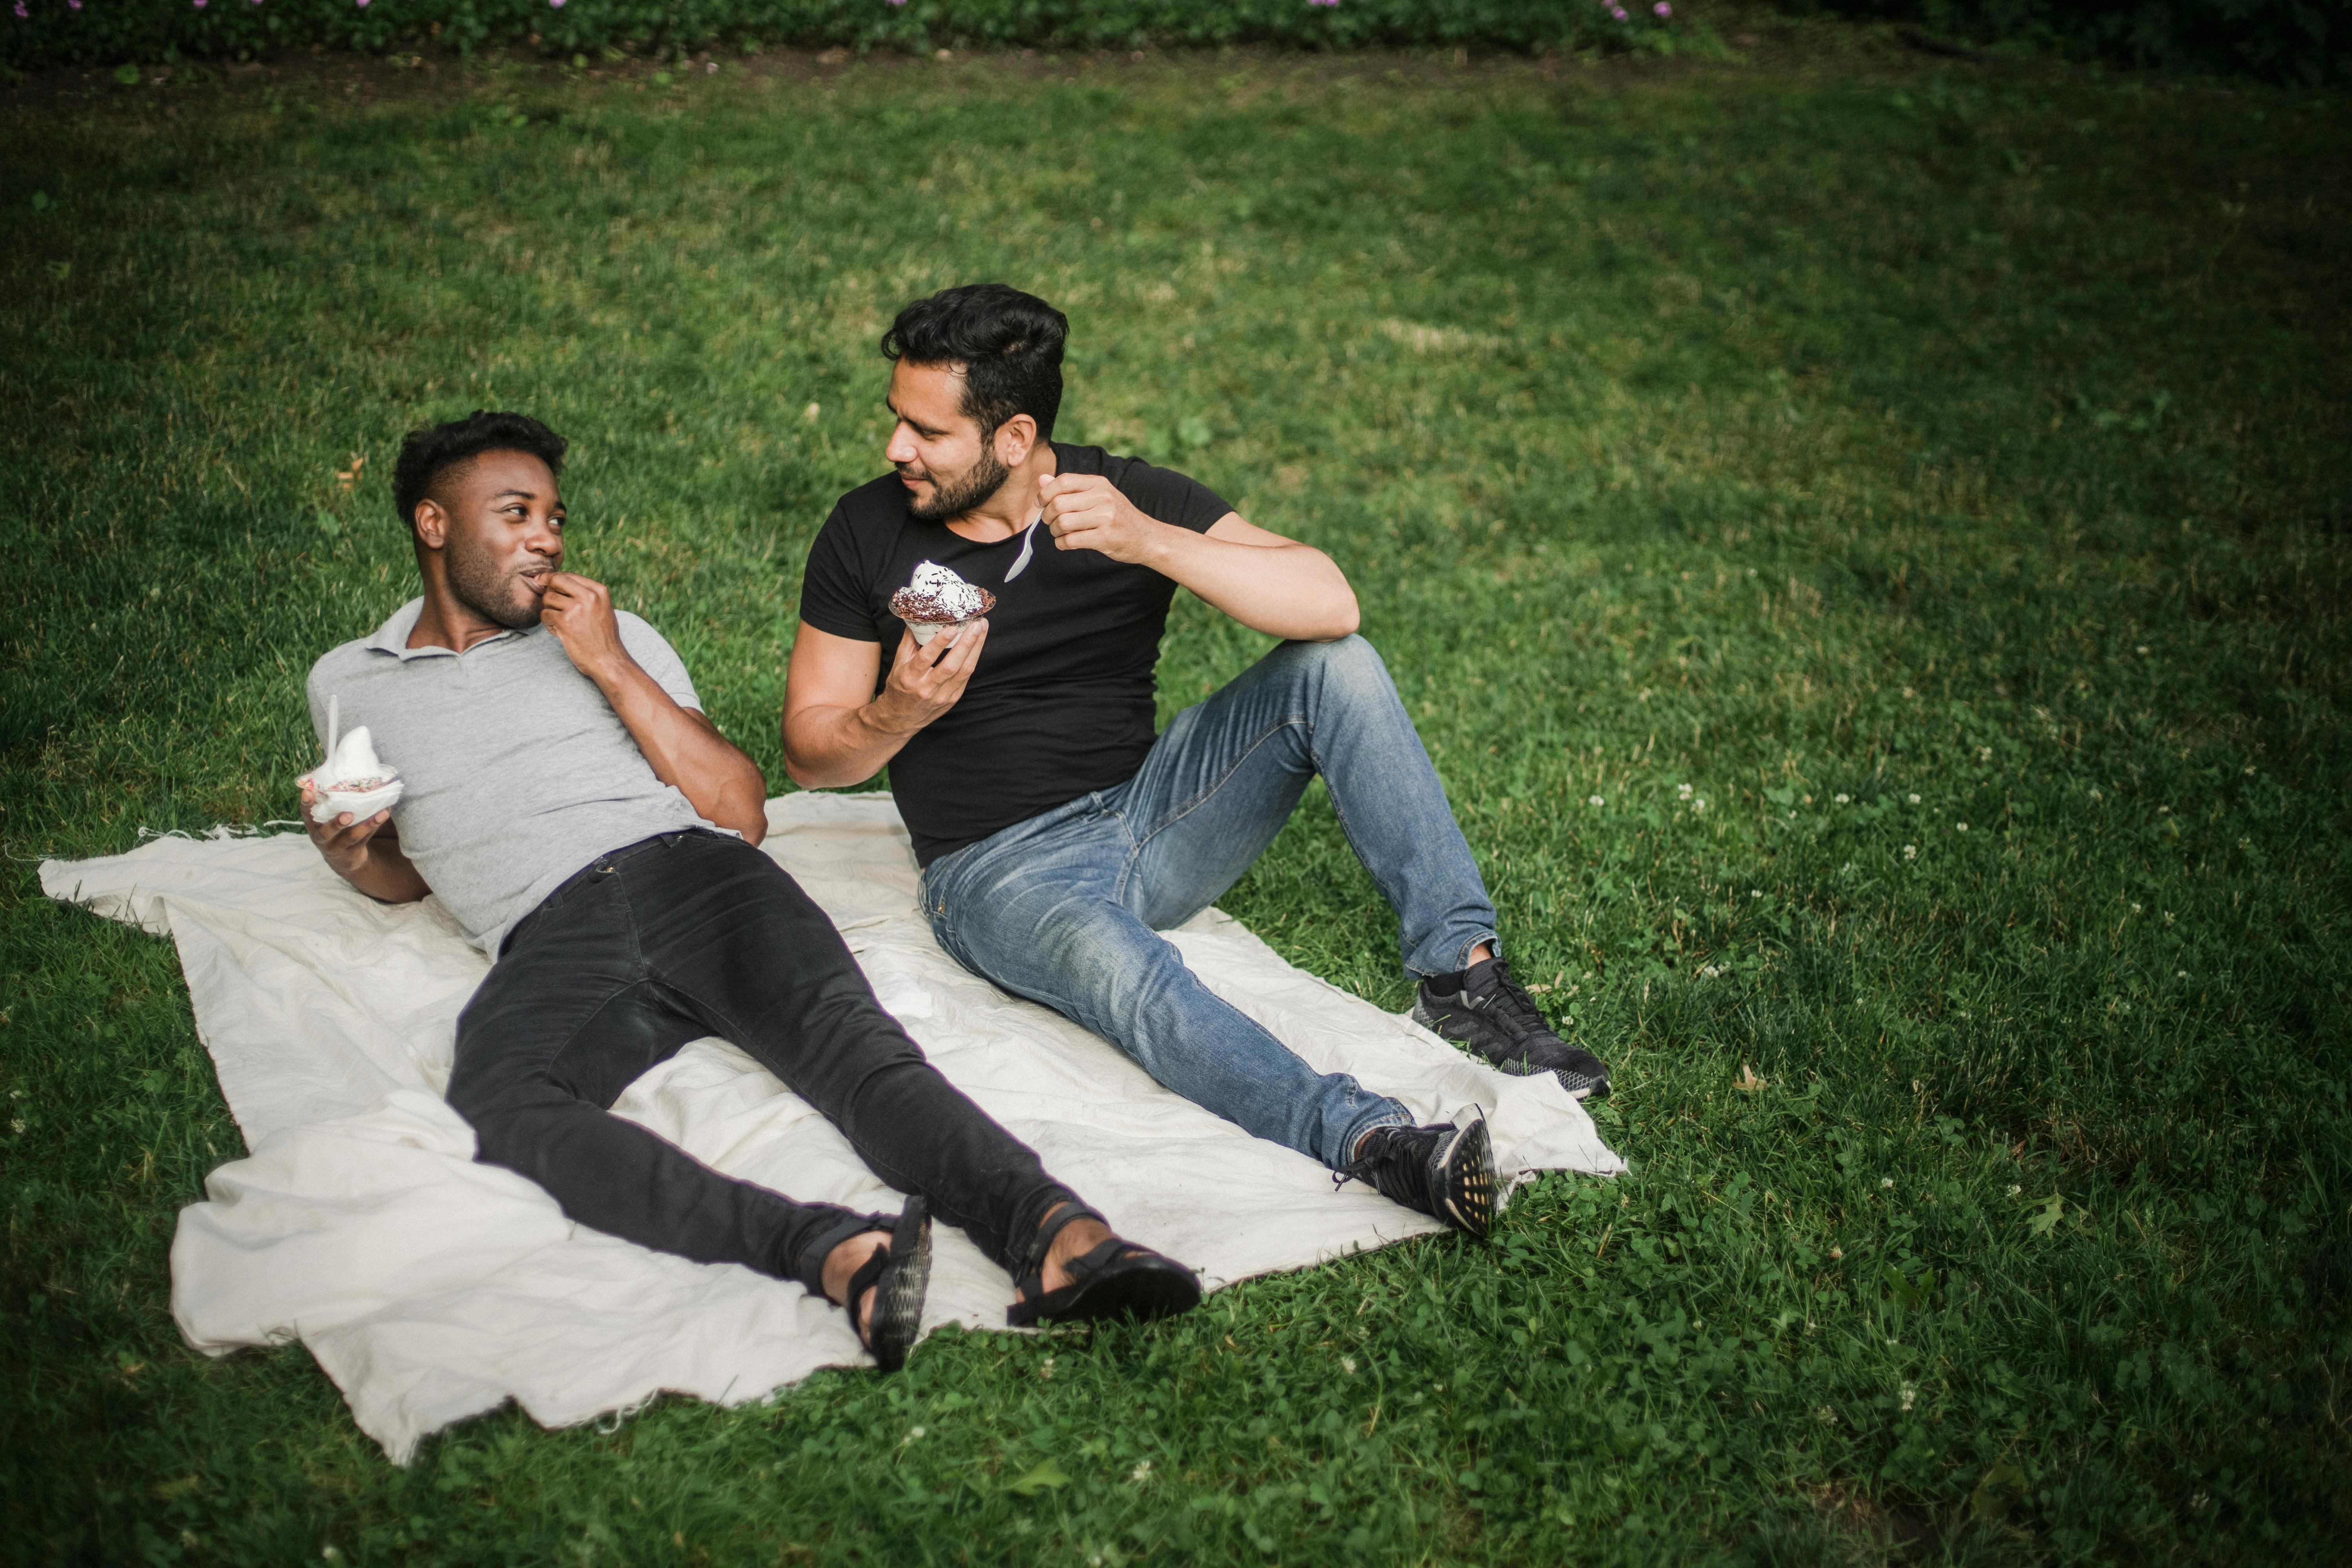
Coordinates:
(363,804)
(926,630)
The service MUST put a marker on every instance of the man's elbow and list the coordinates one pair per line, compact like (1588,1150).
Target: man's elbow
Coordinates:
(814,772)
(1339,620)
(807,776)
(742,802)
(798,767)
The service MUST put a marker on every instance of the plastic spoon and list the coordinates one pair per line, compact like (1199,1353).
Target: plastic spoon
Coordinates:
(1028,542)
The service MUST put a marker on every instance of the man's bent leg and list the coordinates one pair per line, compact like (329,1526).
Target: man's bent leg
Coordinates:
(1226,771)
(1030,924)
(1218,783)
(749,953)
(562,1024)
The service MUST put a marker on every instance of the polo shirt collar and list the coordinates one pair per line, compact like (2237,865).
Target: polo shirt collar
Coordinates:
(392,637)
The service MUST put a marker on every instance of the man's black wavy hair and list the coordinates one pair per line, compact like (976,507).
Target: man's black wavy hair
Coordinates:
(431,451)
(1010,344)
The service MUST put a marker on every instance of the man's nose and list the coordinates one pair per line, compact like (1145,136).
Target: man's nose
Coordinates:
(901,448)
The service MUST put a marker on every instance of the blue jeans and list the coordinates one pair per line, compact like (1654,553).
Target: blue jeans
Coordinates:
(1065,909)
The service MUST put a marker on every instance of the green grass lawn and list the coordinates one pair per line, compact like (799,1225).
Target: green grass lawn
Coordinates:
(1937,470)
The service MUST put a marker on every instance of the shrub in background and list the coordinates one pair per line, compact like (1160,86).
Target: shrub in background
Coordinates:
(84,32)
(2306,42)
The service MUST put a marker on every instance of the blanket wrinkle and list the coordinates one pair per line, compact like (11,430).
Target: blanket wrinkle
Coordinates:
(431,1289)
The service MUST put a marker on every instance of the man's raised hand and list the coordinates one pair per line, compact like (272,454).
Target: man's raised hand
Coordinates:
(579,611)
(926,681)
(1086,512)
(343,842)
(365,853)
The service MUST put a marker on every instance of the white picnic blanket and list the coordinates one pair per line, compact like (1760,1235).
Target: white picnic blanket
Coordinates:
(432,1288)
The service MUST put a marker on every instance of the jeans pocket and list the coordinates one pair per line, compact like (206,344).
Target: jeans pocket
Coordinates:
(931,897)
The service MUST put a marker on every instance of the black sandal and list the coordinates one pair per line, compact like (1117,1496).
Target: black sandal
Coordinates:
(1117,1278)
(900,1274)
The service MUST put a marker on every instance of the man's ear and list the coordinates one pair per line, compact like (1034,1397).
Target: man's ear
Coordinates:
(431,524)
(1014,439)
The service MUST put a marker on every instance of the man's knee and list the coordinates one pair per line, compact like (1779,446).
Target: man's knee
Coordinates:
(1344,670)
(493,1103)
(501,1135)
(1348,659)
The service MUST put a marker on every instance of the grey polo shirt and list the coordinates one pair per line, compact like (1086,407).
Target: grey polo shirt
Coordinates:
(516,771)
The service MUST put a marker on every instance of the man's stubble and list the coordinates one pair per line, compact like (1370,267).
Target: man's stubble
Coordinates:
(973,486)
(477,581)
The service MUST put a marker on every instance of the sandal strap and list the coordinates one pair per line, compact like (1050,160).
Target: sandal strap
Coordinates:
(1101,1257)
(1033,1277)
(869,1274)
(1086,1272)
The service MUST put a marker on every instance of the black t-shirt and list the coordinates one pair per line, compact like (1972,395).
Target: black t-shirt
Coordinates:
(1061,702)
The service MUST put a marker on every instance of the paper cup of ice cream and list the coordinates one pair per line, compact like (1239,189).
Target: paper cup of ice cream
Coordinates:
(353,779)
(938,600)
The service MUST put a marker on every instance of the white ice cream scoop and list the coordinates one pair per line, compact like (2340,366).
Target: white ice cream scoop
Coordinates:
(353,778)
(937,600)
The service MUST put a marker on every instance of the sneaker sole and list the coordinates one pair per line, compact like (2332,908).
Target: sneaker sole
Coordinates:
(1597,1090)
(1466,1163)
(1428,1020)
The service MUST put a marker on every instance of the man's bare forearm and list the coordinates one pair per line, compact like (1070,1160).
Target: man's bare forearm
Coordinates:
(830,737)
(1285,591)
(831,748)
(687,751)
(383,873)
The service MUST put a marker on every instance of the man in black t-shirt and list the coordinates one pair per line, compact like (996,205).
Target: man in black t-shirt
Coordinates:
(1058,836)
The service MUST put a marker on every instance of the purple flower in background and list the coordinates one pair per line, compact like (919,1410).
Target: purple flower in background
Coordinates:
(558,5)
(200,5)
(1322,2)
(1662,9)
(20,9)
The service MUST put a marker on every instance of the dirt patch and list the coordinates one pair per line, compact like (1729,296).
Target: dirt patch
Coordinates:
(1872,1527)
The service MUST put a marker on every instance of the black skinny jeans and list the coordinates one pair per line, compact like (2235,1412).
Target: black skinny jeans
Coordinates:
(697,934)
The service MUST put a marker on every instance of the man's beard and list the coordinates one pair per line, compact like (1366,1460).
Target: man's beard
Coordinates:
(477,582)
(982,479)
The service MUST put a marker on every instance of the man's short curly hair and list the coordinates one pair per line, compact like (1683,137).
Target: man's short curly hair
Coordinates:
(434,450)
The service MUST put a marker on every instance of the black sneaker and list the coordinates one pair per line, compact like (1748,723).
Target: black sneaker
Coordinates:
(1441,1170)
(1483,1008)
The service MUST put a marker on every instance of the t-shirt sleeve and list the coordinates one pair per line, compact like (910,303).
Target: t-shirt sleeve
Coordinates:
(657,658)
(1169,497)
(834,591)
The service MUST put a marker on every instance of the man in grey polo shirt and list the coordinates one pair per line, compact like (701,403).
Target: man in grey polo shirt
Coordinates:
(592,831)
